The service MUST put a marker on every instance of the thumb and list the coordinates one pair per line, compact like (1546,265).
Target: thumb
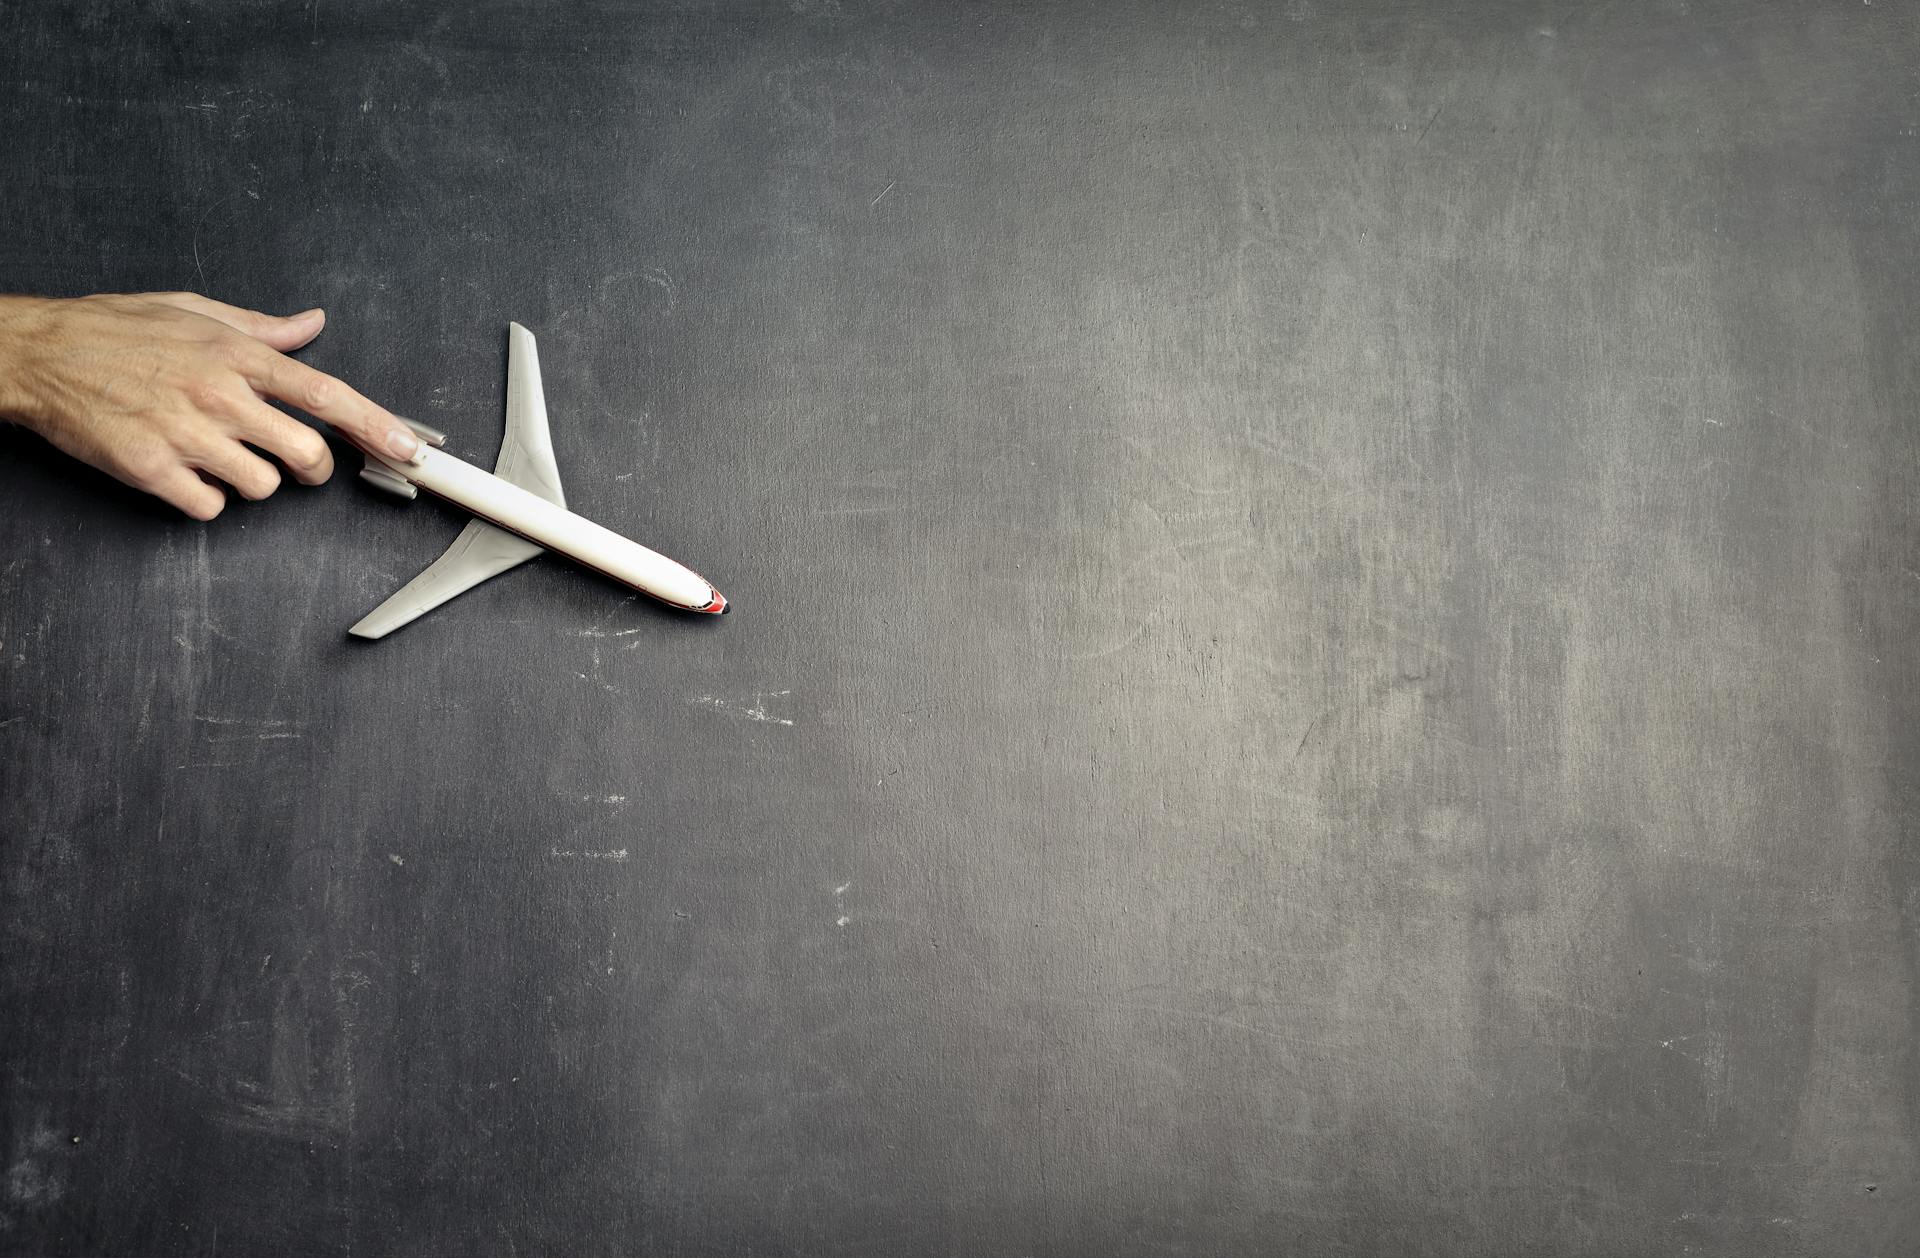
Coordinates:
(289,332)
(281,332)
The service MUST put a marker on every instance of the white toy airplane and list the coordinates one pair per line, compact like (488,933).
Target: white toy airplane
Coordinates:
(522,512)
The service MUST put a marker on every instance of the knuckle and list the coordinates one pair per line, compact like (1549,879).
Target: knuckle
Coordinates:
(233,352)
(261,483)
(145,468)
(320,391)
(308,452)
(205,393)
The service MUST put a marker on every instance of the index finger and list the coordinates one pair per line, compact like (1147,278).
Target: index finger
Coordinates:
(366,423)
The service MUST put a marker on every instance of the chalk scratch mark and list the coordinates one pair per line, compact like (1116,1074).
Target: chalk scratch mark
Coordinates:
(874,509)
(758,712)
(1308,733)
(883,194)
(1436,117)
(199,268)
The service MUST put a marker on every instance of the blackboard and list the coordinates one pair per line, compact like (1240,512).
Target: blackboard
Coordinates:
(1323,658)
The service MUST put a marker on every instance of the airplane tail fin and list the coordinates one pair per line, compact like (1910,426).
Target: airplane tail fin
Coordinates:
(526,452)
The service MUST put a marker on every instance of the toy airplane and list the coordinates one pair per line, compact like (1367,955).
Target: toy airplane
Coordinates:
(521,512)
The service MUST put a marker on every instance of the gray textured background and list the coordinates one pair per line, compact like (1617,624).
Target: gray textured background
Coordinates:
(1324,659)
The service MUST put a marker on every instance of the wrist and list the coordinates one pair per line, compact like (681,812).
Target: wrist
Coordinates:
(23,323)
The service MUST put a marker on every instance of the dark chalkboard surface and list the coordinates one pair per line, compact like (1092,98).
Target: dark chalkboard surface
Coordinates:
(1324,658)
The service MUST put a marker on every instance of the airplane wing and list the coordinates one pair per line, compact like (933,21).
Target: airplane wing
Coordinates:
(481,550)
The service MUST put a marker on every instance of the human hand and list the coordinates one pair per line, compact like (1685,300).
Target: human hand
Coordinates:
(166,390)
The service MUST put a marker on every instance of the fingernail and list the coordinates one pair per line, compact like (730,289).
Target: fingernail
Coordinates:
(403,445)
(307,314)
